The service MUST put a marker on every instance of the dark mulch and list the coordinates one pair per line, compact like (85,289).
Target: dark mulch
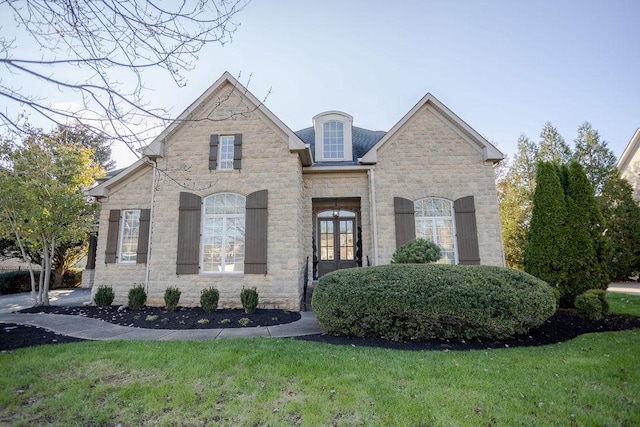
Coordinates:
(14,336)
(562,326)
(181,318)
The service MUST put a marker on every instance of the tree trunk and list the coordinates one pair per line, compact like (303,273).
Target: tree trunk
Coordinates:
(58,275)
(41,281)
(48,256)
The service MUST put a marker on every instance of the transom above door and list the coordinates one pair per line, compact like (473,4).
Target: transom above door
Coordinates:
(336,240)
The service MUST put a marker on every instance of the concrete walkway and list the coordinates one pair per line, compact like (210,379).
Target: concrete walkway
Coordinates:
(94,329)
(625,288)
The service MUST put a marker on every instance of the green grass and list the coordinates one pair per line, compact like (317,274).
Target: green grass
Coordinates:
(624,304)
(592,380)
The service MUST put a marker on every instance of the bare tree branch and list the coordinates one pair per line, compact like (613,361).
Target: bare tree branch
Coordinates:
(95,54)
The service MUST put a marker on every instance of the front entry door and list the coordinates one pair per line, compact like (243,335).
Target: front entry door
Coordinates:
(337,244)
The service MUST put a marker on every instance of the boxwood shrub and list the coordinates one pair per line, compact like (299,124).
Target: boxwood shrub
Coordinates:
(431,301)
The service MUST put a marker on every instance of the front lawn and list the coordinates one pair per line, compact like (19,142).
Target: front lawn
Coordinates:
(592,380)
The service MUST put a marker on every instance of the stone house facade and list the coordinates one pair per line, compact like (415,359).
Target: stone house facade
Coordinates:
(629,164)
(228,196)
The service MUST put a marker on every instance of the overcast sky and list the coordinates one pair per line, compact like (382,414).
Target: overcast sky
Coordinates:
(504,67)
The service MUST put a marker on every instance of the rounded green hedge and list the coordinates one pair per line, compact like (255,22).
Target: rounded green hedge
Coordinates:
(431,301)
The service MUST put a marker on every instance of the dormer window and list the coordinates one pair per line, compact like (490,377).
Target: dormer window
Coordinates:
(333,140)
(333,136)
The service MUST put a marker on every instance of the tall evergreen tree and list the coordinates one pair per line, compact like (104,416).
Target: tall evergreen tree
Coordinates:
(515,196)
(598,160)
(552,146)
(622,216)
(586,251)
(547,239)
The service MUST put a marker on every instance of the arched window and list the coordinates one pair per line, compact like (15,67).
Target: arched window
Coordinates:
(435,222)
(223,228)
(333,140)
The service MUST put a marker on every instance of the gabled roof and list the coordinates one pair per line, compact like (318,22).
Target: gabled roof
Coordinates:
(102,189)
(489,151)
(362,140)
(629,152)
(157,147)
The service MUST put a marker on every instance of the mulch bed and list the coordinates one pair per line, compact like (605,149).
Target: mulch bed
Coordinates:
(181,318)
(562,326)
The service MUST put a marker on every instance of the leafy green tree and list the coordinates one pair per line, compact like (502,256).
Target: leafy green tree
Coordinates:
(552,146)
(515,194)
(42,185)
(546,238)
(622,216)
(598,160)
(83,136)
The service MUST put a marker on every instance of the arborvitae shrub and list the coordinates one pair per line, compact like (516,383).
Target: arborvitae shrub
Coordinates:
(418,251)
(588,306)
(249,299)
(137,297)
(209,299)
(425,301)
(104,296)
(171,298)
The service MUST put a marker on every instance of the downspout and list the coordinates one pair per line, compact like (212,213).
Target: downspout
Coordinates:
(153,195)
(374,214)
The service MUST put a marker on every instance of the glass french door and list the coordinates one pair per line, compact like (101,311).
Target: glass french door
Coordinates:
(337,244)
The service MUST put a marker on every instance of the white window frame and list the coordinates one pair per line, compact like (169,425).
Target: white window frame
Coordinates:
(121,238)
(318,124)
(225,217)
(451,217)
(225,163)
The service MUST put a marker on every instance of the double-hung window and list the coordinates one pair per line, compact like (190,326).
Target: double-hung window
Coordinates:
(129,233)
(435,221)
(225,156)
(223,234)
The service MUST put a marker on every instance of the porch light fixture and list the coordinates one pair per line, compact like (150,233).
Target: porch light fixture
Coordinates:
(336,211)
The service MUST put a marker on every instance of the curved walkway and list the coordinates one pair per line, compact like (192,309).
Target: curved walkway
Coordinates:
(94,329)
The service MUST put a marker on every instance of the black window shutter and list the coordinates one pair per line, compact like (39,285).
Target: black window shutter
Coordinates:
(143,236)
(466,231)
(405,220)
(111,252)
(188,258)
(213,152)
(237,151)
(255,246)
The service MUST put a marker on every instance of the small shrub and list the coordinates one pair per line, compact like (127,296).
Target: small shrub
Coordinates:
(171,298)
(203,321)
(602,296)
(244,321)
(588,306)
(249,299)
(431,301)
(104,296)
(151,318)
(209,299)
(137,297)
(418,251)
(225,321)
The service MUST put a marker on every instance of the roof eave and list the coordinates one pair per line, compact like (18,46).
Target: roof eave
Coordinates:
(489,151)
(629,151)
(102,189)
